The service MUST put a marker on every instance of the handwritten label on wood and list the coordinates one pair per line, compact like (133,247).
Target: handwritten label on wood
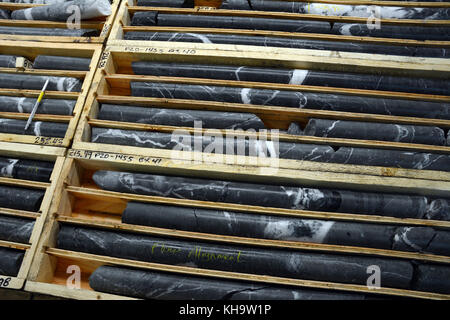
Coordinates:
(49,141)
(160,50)
(103,60)
(5,282)
(126,158)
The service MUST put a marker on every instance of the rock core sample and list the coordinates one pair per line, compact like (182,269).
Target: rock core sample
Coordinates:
(34,82)
(20,198)
(36,128)
(268,150)
(47,106)
(363,11)
(375,131)
(25,169)
(62,10)
(7,61)
(158,285)
(180,117)
(291,99)
(331,200)
(282,263)
(15,229)
(10,261)
(294,76)
(61,63)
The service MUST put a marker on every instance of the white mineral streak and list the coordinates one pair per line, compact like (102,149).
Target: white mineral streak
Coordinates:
(286,230)
(200,36)
(403,237)
(298,76)
(7,171)
(245,96)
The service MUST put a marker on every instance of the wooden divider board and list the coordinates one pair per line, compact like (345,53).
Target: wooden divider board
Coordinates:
(122,24)
(103,24)
(38,153)
(31,50)
(81,203)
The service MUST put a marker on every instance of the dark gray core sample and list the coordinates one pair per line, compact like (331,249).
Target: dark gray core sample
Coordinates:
(166,3)
(26,31)
(259,225)
(153,18)
(435,278)
(375,131)
(62,10)
(422,239)
(208,144)
(7,61)
(15,229)
(33,82)
(21,198)
(282,263)
(36,128)
(295,129)
(5,14)
(297,43)
(158,285)
(438,210)
(392,31)
(10,261)
(267,150)
(149,18)
(180,117)
(294,76)
(292,99)
(25,169)
(61,63)
(47,106)
(236,4)
(264,195)
(392,158)
(384,12)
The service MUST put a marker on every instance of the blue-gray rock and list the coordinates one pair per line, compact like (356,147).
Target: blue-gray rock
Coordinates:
(434,278)
(438,209)
(385,12)
(21,198)
(26,169)
(375,131)
(36,128)
(422,239)
(35,82)
(164,286)
(15,229)
(180,117)
(7,61)
(289,197)
(61,10)
(292,99)
(10,261)
(259,226)
(47,106)
(61,63)
(281,263)
(294,76)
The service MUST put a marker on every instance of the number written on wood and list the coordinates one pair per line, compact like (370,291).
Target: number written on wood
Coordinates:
(160,50)
(4,282)
(49,141)
(103,60)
